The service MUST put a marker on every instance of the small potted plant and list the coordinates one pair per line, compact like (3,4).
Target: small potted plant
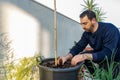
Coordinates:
(48,70)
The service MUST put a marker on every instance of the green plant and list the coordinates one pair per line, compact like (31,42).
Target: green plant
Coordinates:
(23,69)
(102,74)
(6,53)
(5,47)
(91,5)
(20,69)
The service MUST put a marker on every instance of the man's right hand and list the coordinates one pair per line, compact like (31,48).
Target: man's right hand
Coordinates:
(61,60)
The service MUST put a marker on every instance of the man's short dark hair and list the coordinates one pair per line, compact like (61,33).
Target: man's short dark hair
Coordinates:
(89,13)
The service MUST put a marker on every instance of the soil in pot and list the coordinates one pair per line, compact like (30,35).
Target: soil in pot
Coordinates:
(51,64)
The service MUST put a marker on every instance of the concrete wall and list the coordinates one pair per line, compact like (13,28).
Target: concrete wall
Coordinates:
(42,18)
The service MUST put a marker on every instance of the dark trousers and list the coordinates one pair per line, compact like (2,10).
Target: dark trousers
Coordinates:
(103,64)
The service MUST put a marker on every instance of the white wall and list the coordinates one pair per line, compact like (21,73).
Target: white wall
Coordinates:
(30,26)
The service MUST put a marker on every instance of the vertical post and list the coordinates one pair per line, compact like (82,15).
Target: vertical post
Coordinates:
(55,34)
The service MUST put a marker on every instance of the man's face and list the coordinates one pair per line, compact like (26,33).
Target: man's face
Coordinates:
(87,24)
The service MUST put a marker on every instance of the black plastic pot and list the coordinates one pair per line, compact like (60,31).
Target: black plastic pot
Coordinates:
(47,73)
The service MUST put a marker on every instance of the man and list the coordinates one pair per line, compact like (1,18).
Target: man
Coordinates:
(104,38)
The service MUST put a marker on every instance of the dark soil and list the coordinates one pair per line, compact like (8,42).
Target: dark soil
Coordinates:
(51,64)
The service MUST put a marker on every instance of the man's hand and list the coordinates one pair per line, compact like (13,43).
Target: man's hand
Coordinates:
(62,60)
(81,57)
(77,58)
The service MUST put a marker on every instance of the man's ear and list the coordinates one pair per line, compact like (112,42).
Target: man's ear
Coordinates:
(93,20)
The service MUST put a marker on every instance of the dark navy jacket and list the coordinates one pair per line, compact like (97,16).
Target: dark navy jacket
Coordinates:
(105,42)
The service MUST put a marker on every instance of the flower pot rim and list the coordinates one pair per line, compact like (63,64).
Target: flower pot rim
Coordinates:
(61,69)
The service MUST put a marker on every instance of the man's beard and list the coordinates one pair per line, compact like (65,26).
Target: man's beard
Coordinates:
(90,29)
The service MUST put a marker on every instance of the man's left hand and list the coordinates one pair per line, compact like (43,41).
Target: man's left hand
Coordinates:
(81,57)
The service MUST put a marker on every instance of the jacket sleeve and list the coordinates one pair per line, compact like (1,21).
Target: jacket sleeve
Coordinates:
(81,44)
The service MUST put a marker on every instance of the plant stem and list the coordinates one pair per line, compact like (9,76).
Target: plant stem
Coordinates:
(55,34)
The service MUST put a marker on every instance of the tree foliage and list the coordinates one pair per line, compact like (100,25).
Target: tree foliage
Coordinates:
(91,5)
